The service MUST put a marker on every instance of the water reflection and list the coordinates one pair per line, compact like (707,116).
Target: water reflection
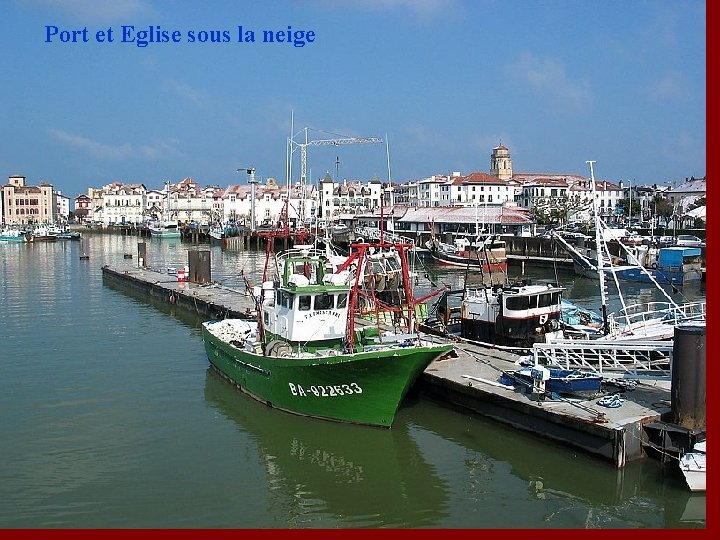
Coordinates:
(363,476)
(562,488)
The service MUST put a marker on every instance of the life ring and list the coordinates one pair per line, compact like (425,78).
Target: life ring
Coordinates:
(653,265)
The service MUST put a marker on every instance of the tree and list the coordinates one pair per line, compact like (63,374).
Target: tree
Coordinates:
(663,208)
(627,210)
(558,210)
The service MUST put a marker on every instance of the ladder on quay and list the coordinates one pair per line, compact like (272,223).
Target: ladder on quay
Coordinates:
(619,358)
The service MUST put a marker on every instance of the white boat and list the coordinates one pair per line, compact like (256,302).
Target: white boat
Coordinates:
(514,315)
(644,321)
(488,255)
(43,233)
(13,235)
(693,467)
(217,233)
(166,229)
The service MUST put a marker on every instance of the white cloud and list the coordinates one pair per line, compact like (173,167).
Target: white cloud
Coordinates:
(118,152)
(187,92)
(548,76)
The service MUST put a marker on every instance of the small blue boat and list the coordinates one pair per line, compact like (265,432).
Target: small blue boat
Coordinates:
(561,381)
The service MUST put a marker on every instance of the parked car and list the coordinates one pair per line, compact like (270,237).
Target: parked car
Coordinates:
(688,240)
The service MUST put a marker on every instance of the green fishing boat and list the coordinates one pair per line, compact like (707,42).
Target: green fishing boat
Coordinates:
(306,355)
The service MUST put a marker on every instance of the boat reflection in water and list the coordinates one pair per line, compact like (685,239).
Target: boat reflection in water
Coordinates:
(327,474)
(552,485)
(363,476)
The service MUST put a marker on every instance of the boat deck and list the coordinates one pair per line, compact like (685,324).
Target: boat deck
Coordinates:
(469,380)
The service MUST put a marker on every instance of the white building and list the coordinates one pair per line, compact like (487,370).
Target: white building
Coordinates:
(123,204)
(188,202)
(155,204)
(236,203)
(479,189)
(337,198)
(62,206)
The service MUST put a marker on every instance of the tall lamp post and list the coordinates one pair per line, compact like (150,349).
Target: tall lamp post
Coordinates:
(166,212)
(251,172)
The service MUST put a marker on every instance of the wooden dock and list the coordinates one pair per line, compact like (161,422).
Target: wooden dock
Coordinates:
(468,381)
(211,300)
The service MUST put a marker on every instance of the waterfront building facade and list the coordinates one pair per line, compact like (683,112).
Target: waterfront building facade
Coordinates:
(236,203)
(155,204)
(27,205)
(124,204)
(83,208)
(62,203)
(187,202)
(336,198)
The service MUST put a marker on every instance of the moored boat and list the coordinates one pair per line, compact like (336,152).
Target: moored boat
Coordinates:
(512,315)
(166,229)
(13,235)
(305,354)
(216,233)
(43,234)
(488,255)
(693,467)
(653,321)
(560,381)
(67,234)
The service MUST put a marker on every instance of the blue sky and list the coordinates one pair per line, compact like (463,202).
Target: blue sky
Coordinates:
(621,82)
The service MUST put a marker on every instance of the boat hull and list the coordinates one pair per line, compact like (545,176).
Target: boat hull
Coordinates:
(164,234)
(44,238)
(560,382)
(693,468)
(361,388)
(491,265)
(13,239)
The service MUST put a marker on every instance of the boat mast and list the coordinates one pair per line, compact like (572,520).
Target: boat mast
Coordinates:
(598,249)
(391,224)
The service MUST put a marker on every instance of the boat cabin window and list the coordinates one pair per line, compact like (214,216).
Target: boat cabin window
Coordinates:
(304,302)
(324,301)
(284,299)
(549,299)
(306,269)
(342,300)
(519,302)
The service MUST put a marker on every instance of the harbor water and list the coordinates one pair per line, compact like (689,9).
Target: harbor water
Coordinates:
(111,418)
